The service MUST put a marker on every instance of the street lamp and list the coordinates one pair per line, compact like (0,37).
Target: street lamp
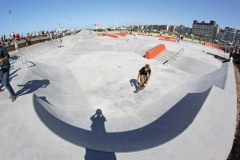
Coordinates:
(10,22)
(59,25)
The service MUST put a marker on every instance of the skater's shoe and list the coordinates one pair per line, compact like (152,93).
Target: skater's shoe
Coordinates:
(141,88)
(136,91)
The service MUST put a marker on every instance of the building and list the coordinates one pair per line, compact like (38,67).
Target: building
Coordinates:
(163,27)
(237,37)
(183,30)
(172,28)
(205,30)
(220,34)
(157,27)
(229,34)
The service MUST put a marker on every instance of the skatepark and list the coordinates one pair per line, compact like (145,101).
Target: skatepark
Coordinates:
(187,111)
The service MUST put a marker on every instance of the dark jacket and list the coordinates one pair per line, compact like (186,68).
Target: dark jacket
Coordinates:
(5,66)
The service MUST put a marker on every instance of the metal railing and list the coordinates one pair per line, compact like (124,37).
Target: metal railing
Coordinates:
(173,57)
(22,58)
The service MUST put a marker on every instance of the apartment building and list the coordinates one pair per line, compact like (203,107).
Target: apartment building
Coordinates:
(183,30)
(205,30)
(237,37)
(220,34)
(229,34)
(172,28)
(157,27)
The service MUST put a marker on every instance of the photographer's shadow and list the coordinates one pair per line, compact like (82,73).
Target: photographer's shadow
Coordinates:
(98,129)
(32,86)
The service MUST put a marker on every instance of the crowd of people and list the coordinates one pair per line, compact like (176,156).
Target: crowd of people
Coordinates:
(13,40)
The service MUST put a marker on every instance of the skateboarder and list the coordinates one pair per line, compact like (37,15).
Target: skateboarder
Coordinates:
(143,77)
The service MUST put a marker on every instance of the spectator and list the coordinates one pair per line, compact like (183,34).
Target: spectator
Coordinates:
(16,44)
(4,71)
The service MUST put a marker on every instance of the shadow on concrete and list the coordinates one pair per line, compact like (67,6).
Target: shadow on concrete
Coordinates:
(32,86)
(167,127)
(11,74)
(44,98)
(98,155)
(10,78)
(12,62)
(97,128)
(32,64)
(14,57)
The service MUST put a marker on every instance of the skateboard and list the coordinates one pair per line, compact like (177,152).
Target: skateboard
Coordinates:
(139,89)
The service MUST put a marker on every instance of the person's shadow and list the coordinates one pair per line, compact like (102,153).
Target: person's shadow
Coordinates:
(98,128)
(134,83)
(32,86)
(13,74)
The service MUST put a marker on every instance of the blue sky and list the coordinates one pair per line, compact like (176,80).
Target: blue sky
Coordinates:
(35,15)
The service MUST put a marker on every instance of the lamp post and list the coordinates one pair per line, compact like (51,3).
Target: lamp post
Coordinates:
(59,26)
(10,22)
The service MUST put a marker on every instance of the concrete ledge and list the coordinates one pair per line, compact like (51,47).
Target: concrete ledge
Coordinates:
(167,38)
(214,46)
(121,34)
(22,43)
(153,52)
(109,35)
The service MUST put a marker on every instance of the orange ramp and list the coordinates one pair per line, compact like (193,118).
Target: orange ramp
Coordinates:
(153,52)
(167,38)
(121,34)
(109,35)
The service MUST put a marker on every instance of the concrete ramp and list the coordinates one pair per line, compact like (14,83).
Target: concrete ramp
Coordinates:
(164,129)
(79,99)
(35,51)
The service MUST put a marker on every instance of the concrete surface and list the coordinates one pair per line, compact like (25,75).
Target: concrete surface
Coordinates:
(187,111)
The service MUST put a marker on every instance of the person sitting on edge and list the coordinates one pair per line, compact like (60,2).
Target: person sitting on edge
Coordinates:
(144,76)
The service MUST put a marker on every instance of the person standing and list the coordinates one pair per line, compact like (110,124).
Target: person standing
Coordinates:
(60,42)
(4,71)
(16,44)
(27,41)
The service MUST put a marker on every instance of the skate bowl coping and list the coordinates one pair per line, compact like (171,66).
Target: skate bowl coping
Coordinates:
(214,46)
(153,52)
